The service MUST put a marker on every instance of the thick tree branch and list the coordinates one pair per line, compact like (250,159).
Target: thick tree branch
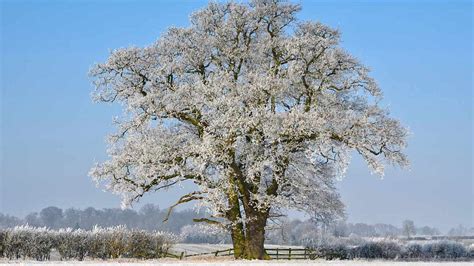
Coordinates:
(186,198)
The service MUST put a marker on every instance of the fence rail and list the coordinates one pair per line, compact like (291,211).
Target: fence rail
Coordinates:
(289,253)
(274,253)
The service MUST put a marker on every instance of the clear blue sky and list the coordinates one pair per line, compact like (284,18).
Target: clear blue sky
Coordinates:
(51,132)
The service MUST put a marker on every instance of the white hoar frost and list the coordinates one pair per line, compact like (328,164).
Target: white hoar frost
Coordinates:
(245,92)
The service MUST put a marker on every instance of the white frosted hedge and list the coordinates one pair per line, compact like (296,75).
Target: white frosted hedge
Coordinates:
(104,243)
(392,250)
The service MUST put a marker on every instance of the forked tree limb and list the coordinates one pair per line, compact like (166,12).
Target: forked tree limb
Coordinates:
(186,198)
(206,220)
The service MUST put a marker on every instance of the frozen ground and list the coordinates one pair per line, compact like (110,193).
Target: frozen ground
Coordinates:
(190,249)
(224,262)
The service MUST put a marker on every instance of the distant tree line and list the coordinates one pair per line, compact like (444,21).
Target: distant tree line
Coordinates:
(150,217)
(407,229)
(297,232)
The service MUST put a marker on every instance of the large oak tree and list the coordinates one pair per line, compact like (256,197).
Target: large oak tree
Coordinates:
(260,111)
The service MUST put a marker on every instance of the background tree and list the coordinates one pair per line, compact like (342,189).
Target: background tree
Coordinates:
(7,221)
(52,216)
(32,219)
(461,230)
(259,111)
(71,218)
(428,231)
(408,228)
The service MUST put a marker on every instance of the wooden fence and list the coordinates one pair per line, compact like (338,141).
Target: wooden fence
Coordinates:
(290,253)
(274,253)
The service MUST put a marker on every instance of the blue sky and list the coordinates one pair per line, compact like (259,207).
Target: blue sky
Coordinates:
(51,132)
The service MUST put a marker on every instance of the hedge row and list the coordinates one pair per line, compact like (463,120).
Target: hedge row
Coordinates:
(436,250)
(114,242)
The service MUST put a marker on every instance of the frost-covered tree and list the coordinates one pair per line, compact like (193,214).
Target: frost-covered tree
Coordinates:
(428,231)
(259,110)
(51,216)
(461,230)
(408,228)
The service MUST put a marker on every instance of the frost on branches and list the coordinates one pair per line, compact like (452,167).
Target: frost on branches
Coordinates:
(259,110)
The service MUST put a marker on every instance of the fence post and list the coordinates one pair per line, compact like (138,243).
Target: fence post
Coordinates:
(289,253)
(277,253)
(182,255)
(217,252)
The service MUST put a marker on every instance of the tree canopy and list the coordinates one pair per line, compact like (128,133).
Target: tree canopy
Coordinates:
(259,110)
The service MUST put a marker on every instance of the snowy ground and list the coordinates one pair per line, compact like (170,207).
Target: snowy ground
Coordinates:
(227,261)
(190,249)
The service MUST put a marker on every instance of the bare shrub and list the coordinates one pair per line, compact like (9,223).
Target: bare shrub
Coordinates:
(444,250)
(3,238)
(114,242)
(413,251)
(391,250)
(72,244)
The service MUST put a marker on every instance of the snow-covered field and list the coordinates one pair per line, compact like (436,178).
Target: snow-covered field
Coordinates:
(228,261)
(190,249)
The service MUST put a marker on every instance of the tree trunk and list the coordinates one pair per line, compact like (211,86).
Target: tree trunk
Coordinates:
(248,239)
(248,243)
(255,232)
(237,228)
(238,241)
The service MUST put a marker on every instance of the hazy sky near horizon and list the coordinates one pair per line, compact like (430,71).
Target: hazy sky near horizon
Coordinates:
(52,133)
